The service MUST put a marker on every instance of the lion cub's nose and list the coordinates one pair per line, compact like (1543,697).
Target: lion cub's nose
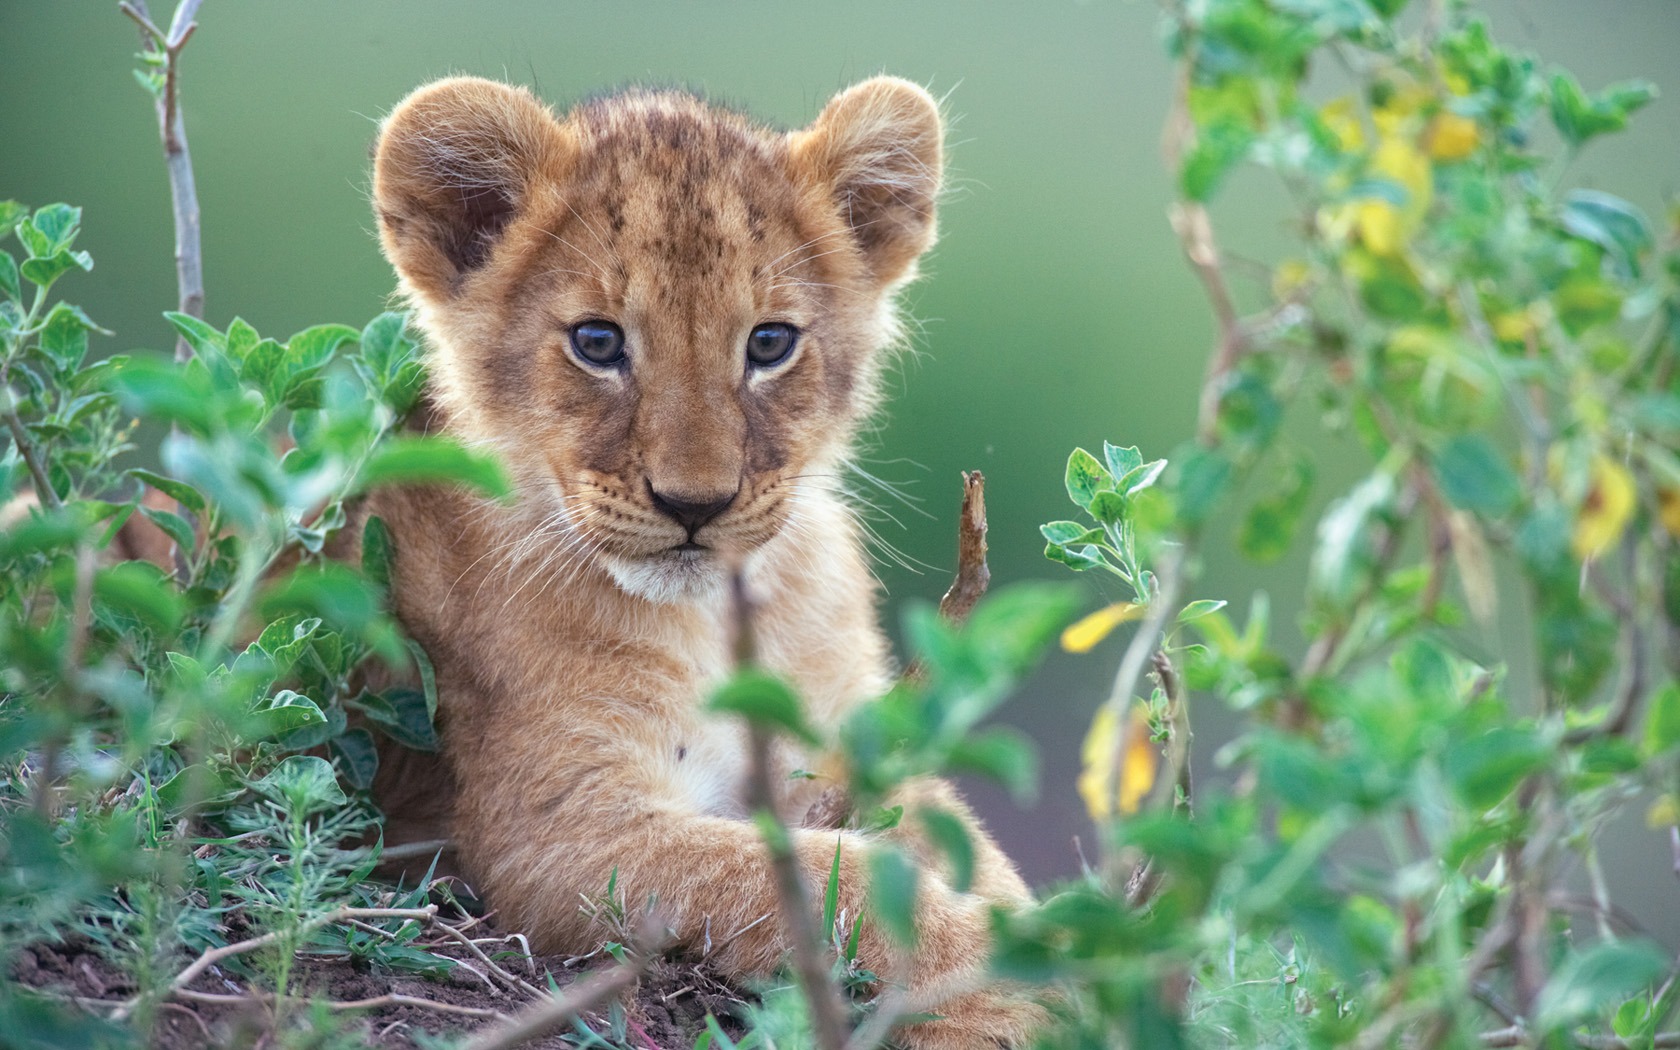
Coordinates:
(691,514)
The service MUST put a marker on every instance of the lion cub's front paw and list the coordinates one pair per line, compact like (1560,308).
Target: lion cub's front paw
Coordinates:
(1004,1018)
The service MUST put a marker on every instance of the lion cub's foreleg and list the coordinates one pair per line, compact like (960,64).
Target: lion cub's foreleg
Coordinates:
(536,844)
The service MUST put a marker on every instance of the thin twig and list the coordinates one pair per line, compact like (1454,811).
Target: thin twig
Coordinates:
(1138,656)
(510,979)
(1517,1035)
(183,191)
(388,999)
(582,995)
(828,1018)
(211,956)
(1195,233)
(26,452)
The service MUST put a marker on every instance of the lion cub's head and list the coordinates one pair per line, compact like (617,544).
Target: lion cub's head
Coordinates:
(667,318)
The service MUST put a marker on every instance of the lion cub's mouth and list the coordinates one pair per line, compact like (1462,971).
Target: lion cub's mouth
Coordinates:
(688,547)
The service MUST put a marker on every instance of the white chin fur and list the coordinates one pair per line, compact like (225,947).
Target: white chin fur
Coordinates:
(668,579)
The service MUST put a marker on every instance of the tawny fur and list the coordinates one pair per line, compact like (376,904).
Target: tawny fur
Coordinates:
(573,646)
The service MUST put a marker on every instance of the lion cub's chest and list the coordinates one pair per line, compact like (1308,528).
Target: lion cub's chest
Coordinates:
(708,765)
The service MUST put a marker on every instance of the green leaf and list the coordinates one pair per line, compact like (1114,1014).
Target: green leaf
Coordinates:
(1347,540)
(892,893)
(384,346)
(1586,982)
(1475,476)
(141,590)
(1122,461)
(1140,477)
(1009,630)
(1078,559)
(831,893)
(1219,148)
(1610,222)
(1483,769)
(44,272)
(1061,533)
(358,757)
(9,287)
(305,784)
(58,223)
(402,714)
(1301,775)
(264,365)
(1085,477)
(1662,722)
(201,337)
(1269,528)
(377,551)
(1204,475)
(428,678)
(174,526)
(1579,116)
(418,460)
(331,591)
(1003,754)
(1198,609)
(179,491)
(950,836)
(286,711)
(241,340)
(10,213)
(64,336)
(156,386)
(315,346)
(1110,508)
(765,700)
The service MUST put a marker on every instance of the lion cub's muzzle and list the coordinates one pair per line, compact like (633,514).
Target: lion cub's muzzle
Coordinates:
(689,510)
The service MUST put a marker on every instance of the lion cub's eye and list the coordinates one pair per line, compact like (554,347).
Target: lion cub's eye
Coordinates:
(599,343)
(770,344)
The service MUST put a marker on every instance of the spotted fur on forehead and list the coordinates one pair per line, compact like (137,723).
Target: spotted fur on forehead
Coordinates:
(700,176)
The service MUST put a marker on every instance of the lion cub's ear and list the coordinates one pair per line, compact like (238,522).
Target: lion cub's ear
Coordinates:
(877,148)
(456,162)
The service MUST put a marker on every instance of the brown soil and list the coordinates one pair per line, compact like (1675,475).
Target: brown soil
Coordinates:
(666,1012)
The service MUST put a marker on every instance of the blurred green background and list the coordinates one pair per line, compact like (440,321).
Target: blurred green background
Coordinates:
(1056,310)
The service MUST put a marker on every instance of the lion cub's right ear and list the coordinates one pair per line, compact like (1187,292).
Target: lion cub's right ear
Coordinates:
(456,163)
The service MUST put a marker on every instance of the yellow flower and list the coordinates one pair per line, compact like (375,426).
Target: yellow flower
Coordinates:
(1341,117)
(1139,763)
(1451,137)
(1384,227)
(1605,512)
(1084,635)
(1668,510)
(1379,226)
(1402,104)
(1400,161)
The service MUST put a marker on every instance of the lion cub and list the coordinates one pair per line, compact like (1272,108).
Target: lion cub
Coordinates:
(669,322)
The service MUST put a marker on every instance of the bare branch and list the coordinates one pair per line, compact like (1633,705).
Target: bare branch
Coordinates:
(211,956)
(1195,233)
(26,451)
(579,997)
(811,966)
(389,999)
(183,191)
(973,575)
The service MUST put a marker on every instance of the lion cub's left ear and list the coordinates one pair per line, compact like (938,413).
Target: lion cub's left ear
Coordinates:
(878,150)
